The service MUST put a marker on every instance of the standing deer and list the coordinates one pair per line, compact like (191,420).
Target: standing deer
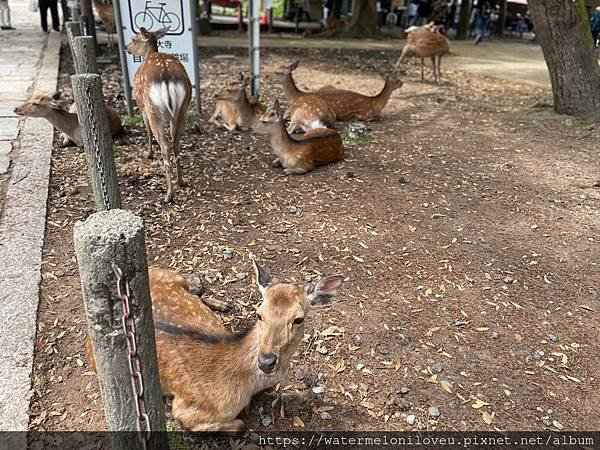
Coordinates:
(348,105)
(234,109)
(162,91)
(213,373)
(106,12)
(427,42)
(297,156)
(55,111)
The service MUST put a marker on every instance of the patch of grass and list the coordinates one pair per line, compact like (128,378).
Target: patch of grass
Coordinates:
(133,120)
(118,151)
(361,140)
(176,437)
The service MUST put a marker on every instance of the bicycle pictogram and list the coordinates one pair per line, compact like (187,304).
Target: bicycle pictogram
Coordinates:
(156,17)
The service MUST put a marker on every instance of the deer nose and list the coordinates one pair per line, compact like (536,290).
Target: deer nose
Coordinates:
(267,362)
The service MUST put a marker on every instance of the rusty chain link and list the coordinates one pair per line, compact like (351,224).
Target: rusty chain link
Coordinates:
(135,368)
(96,145)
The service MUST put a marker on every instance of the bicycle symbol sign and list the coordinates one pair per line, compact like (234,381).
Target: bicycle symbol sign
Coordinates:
(157,15)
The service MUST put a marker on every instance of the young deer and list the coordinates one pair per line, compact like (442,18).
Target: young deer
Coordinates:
(290,89)
(106,12)
(316,147)
(427,42)
(213,373)
(162,91)
(349,105)
(234,109)
(55,111)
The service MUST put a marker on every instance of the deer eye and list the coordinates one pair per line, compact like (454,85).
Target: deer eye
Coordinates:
(298,320)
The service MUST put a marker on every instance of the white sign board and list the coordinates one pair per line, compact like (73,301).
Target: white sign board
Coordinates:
(154,15)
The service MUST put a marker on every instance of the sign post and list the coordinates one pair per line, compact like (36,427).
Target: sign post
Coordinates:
(254,44)
(178,16)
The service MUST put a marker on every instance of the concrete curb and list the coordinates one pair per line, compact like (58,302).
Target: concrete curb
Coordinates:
(22,229)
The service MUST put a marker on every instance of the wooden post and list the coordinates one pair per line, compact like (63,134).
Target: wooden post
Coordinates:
(84,55)
(88,26)
(97,140)
(73,30)
(103,238)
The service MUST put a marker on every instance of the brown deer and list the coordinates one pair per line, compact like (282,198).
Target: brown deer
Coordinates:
(234,109)
(162,91)
(311,111)
(213,373)
(426,42)
(299,155)
(349,105)
(106,12)
(290,89)
(63,119)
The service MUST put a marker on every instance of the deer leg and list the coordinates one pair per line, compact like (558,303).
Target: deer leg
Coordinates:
(214,119)
(177,129)
(276,163)
(405,50)
(433,65)
(422,68)
(233,426)
(150,152)
(439,69)
(295,171)
(159,133)
(292,127)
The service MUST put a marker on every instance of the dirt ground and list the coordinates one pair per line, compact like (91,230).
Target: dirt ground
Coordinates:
(467,227)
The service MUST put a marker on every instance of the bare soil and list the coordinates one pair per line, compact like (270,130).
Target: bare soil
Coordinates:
(467,227)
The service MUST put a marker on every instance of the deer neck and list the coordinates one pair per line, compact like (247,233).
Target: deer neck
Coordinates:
(289,87)
(149,49)
(66,122)
(244,106)
(280,139)
(382,98)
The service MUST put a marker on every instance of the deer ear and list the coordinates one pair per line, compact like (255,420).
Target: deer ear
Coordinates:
(161,33)
(323,292)
(293,66)
(144,34)
(56,95)
(263,279)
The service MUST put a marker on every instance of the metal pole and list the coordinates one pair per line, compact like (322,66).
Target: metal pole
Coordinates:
(195,58)
(123,57)
(254,45)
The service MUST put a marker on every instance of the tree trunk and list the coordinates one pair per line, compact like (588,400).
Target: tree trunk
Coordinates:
(462,31)
(364,19)
(336,9)
(501,18)
(564,33)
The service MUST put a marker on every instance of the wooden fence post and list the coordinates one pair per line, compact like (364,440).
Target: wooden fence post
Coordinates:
(97,140)
(84,54)
(103,238)
(73,30)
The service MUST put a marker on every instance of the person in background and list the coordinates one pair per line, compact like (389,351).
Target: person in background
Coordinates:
(5,16)
(424,10)
(481,18)
(413,13)
(44,5)
(439,13)
(595,25)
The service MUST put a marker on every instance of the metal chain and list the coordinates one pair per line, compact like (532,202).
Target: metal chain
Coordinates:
(96,145)
(135,368)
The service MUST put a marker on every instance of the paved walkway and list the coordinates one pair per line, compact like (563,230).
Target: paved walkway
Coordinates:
(28,66)
(518,61)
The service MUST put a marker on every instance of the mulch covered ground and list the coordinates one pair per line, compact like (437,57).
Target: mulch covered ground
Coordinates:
(466,224)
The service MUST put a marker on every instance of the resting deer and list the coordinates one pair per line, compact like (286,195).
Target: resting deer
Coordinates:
(426,42)
(290,89)
(349,105)
(234,109)
(106,12)
(297,156)
(213,373)
(162,91)
(63,119)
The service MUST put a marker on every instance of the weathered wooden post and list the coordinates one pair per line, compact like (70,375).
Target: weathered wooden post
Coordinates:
(104,238)
(73,30)
(97,140)
(84,54)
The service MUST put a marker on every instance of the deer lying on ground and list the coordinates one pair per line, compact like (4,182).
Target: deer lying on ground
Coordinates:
(290,89)
(162,91)
(426,42)
(345,105)
(106,12)
(297,156)
(63,119)
(234,109)
(213,373)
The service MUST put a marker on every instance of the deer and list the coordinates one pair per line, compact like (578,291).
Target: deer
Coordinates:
(213,373)
(300,155)
(162,91)
(426,42)
(234,109)
(290,89)
(348,105)
(106,12)
(63,117)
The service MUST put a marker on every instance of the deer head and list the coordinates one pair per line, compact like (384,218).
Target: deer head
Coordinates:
(40,105)
(270,120)
(282,313)
(145,42)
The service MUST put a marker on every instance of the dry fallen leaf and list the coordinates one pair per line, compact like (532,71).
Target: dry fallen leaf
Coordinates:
(297,421)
